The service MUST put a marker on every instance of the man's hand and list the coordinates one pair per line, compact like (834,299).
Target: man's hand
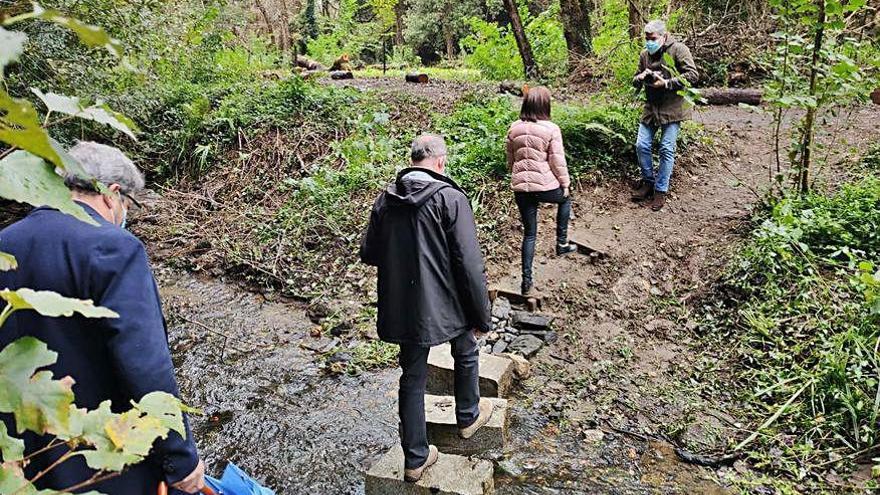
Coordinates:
(643,75)
(565,192)
(659,82)
(195,482)
(478,334)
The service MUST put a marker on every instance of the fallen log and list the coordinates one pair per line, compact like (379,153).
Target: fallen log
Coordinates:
(875,96)
(513,88)
(309,64)
(417,77)
(341,74)
(731,96)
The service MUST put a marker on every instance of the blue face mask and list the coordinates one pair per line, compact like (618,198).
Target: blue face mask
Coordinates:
(652,46)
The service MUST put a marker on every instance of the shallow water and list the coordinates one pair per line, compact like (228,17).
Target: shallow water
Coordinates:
(270,408)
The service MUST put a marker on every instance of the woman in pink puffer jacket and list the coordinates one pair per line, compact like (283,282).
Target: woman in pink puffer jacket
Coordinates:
(539,174)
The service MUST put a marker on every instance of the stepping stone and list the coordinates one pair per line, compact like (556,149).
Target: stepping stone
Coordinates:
(530,321)
(451,475)
(496,373)
(443,428)
(593,253)
(527,345)
(532,302)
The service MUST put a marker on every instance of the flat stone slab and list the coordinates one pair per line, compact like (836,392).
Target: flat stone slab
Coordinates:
(496,373)
(530,321)
(451,475)
(443,428)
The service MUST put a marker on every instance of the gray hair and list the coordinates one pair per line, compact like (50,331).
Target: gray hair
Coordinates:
(106,164)
(656,27)
(427,146)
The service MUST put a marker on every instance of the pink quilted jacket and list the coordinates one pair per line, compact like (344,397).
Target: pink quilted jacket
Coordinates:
(536,157)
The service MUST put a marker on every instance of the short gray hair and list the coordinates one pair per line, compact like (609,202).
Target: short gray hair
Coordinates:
(427,146)
(655,27)
(106,164)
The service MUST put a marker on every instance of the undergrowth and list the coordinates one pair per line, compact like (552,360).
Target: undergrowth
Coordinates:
(799,309)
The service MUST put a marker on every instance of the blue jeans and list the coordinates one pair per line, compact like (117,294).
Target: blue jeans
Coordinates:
(644,146)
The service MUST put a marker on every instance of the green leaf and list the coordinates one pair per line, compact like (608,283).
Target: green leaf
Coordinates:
(166,408)
(92,36)
(71,105)
(12,480)
(28,179)
(90,426)
(12,449)
(39,403)
(52,304)
(7,262)
(11,46)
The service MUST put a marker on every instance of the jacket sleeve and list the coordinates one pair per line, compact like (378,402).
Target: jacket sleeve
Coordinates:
(510,152)
(137,341)
(467,262)
(687,69)
(642,66)
(556,158)
(370,243)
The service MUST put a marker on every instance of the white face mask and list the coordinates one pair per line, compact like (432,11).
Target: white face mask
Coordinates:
(124,212)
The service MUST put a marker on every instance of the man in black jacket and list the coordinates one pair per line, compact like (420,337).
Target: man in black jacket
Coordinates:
(432,289)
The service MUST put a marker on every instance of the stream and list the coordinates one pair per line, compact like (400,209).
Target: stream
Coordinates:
(271,408)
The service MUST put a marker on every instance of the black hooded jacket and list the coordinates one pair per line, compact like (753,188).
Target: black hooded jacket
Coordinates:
(432,283)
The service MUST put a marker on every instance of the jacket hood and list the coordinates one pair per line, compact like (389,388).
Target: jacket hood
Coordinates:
(414,186)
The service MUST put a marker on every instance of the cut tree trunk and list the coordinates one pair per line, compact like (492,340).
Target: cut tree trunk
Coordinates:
(875,96)
(512,87)
(341,74)
(525,49)
(307,63)
(575,16)
(417,77)
(731,96)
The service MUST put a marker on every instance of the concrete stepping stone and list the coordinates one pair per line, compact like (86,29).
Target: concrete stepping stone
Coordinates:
(451,475)
(443,428)
(496,373)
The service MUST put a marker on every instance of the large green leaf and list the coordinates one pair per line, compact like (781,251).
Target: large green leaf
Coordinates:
(12,449)
(90,427)
(38,402)
(7,262)
(71,105)
(49,303)
(28,179)
(12,481)
(166,408)
(11,46)
(89,35)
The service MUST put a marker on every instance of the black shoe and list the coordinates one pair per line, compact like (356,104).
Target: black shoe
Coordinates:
(526,287)
(563,249)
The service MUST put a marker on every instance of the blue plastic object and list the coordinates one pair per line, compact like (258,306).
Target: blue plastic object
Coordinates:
(236,482)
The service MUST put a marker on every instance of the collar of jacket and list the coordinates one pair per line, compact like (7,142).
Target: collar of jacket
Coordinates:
(435,175)
(88,209)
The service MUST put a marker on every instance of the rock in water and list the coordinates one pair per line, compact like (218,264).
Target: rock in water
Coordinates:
(451,475)
(443,427)
(527,345)
(530,321)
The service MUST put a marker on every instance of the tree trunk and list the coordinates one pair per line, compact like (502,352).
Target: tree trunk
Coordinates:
(399,13)
(810,118)
(450,43)
(284,28)
(575,16)
(731,96)
(525,49)
(261,6)
(635,20)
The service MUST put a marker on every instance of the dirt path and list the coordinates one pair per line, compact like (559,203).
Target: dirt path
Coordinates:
(606,401)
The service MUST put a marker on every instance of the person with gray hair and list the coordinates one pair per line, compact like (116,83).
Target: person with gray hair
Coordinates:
(119,360)
(662,78)
(432,289)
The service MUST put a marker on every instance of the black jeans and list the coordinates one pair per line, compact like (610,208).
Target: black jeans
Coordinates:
(528,210)
(411,398)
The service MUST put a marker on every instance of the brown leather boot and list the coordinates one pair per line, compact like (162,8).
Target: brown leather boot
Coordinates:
(658,201)
(644,191)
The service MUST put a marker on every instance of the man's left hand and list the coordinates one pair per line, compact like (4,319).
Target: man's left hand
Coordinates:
(659,82)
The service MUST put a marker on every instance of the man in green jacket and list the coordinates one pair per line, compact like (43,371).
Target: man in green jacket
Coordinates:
(664,108)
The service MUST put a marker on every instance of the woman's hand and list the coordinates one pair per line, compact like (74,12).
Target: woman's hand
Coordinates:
(564,192)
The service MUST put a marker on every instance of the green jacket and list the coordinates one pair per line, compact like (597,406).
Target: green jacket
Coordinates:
(665,105)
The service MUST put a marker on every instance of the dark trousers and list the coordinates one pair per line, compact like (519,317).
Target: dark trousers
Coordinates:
(527,202)
(411,398)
